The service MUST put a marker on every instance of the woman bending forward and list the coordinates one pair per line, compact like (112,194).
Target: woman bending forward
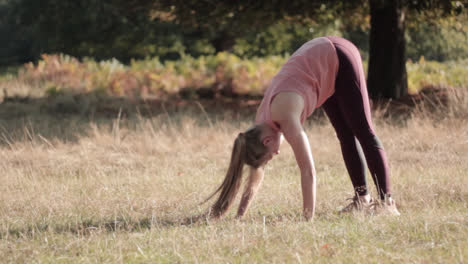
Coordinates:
(327,72)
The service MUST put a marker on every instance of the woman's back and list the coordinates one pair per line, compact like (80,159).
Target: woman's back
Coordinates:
(310,72)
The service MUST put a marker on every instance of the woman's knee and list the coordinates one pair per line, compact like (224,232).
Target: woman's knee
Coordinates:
(370,140)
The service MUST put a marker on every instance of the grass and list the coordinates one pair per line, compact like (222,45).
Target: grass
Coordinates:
(81,189)
(89,178)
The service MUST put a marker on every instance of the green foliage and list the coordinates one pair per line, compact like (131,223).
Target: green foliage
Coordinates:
(151,77)
(98,29)
(424,73)
(129,30)
(283,37)
(436,38)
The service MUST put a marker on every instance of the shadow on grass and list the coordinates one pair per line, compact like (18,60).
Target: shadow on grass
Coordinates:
(88,227)
(67,117)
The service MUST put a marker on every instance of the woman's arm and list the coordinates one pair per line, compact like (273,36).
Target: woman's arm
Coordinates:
(297,138)
(286,110)
(253,184)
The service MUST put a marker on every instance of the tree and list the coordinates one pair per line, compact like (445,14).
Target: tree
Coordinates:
(387,58)
(387,76)
(86,28)
(387,72)
(170,28)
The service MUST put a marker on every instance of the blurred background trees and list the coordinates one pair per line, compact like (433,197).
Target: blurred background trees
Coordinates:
(387,32)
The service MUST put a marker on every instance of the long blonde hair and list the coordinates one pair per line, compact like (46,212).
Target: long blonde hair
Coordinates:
(248,149)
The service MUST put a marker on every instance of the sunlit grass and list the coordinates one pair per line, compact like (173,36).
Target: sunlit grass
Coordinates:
(79,190)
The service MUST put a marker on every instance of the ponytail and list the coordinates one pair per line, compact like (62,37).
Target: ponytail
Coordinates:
(232,181)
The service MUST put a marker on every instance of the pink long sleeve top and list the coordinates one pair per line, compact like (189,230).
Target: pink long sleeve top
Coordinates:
(310,72)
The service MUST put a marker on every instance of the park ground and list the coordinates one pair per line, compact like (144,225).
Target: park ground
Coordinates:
(121,187)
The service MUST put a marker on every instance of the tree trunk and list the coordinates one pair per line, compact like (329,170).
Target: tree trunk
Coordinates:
(223,41)
(387,69)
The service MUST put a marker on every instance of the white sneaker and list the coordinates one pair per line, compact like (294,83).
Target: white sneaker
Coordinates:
(358,204)
(386,207)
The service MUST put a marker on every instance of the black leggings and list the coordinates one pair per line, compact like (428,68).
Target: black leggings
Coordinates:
(349,112)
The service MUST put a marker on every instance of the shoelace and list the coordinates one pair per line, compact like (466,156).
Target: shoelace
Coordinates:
(373,203)
(354,203)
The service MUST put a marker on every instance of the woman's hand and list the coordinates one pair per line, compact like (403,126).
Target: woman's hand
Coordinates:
(308,215)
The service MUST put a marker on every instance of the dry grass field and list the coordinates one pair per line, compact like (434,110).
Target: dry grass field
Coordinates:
(77,189)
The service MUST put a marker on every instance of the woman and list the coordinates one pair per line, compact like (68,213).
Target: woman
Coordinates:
(325,71)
